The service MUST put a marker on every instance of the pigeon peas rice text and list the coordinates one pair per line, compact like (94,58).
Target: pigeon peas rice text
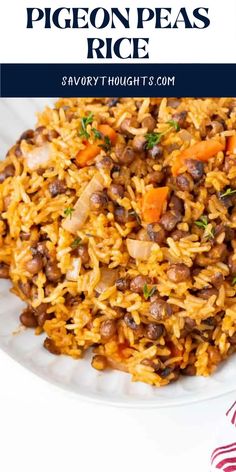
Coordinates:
(118,229)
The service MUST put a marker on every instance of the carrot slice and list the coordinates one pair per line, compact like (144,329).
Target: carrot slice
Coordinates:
(153,203)
(201,151)
(107,130)
(88,154)
(231,145)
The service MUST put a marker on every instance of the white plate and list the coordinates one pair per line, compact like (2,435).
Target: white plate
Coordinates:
(16,115)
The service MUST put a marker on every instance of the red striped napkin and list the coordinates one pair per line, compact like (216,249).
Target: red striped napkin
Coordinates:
(223,457)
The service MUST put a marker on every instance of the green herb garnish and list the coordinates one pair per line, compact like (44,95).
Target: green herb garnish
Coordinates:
(203,223)
(96,133)
(106,145)
(76,243)
(68,211)
(234,281)
(148,292)
(155,138)
(227,193)
(85,121)
(174,124)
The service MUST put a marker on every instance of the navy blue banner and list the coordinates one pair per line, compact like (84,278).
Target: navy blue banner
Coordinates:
(126,80)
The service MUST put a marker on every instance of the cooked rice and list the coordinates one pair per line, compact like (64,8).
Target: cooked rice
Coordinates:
(200,332)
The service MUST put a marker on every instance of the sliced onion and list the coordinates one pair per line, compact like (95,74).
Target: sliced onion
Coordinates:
(81,209)
(108,278)
(139,249)
(38,157)
(73,273)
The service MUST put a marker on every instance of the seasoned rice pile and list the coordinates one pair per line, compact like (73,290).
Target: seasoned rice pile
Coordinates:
(118,230)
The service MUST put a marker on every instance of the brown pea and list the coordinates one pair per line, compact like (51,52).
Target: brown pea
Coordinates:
(195,168)
(214,128)
(41,248)
(156,233)
(71,300)
(229,163)
(154,331)
(127,156)
(8,171)
(27,135)
(129,321)
(176,205)
(155,152)
(178,273)
(185,182)
(178,234)
(43,317)
(24,236)
(34,265)
(180,118)
(190,370)
(115,191)
(155,177)
(105,163)
(122,284)
(108,329)
(149,122)
(52,272)
(18,152)
(138,282)
(82,252)
(42,308)
(189,323)
(98,201)
(139,143)
(127,123)
(57,187)
(121,214)
(52,134)
(50,345)
(160,310)
(28,318)
(111,102)
(169,220)
(217,279)
(218,252)
(25,288)
(4,271)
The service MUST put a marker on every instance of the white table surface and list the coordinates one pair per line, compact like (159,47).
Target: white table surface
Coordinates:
(43,428)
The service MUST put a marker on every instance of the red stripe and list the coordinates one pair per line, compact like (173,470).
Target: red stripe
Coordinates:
(227,412)
(230,460)
(223,452)
(223,448)
(230,468)
(233,420)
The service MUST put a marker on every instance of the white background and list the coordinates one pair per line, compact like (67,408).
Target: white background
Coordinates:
(213,44)
(43,428)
